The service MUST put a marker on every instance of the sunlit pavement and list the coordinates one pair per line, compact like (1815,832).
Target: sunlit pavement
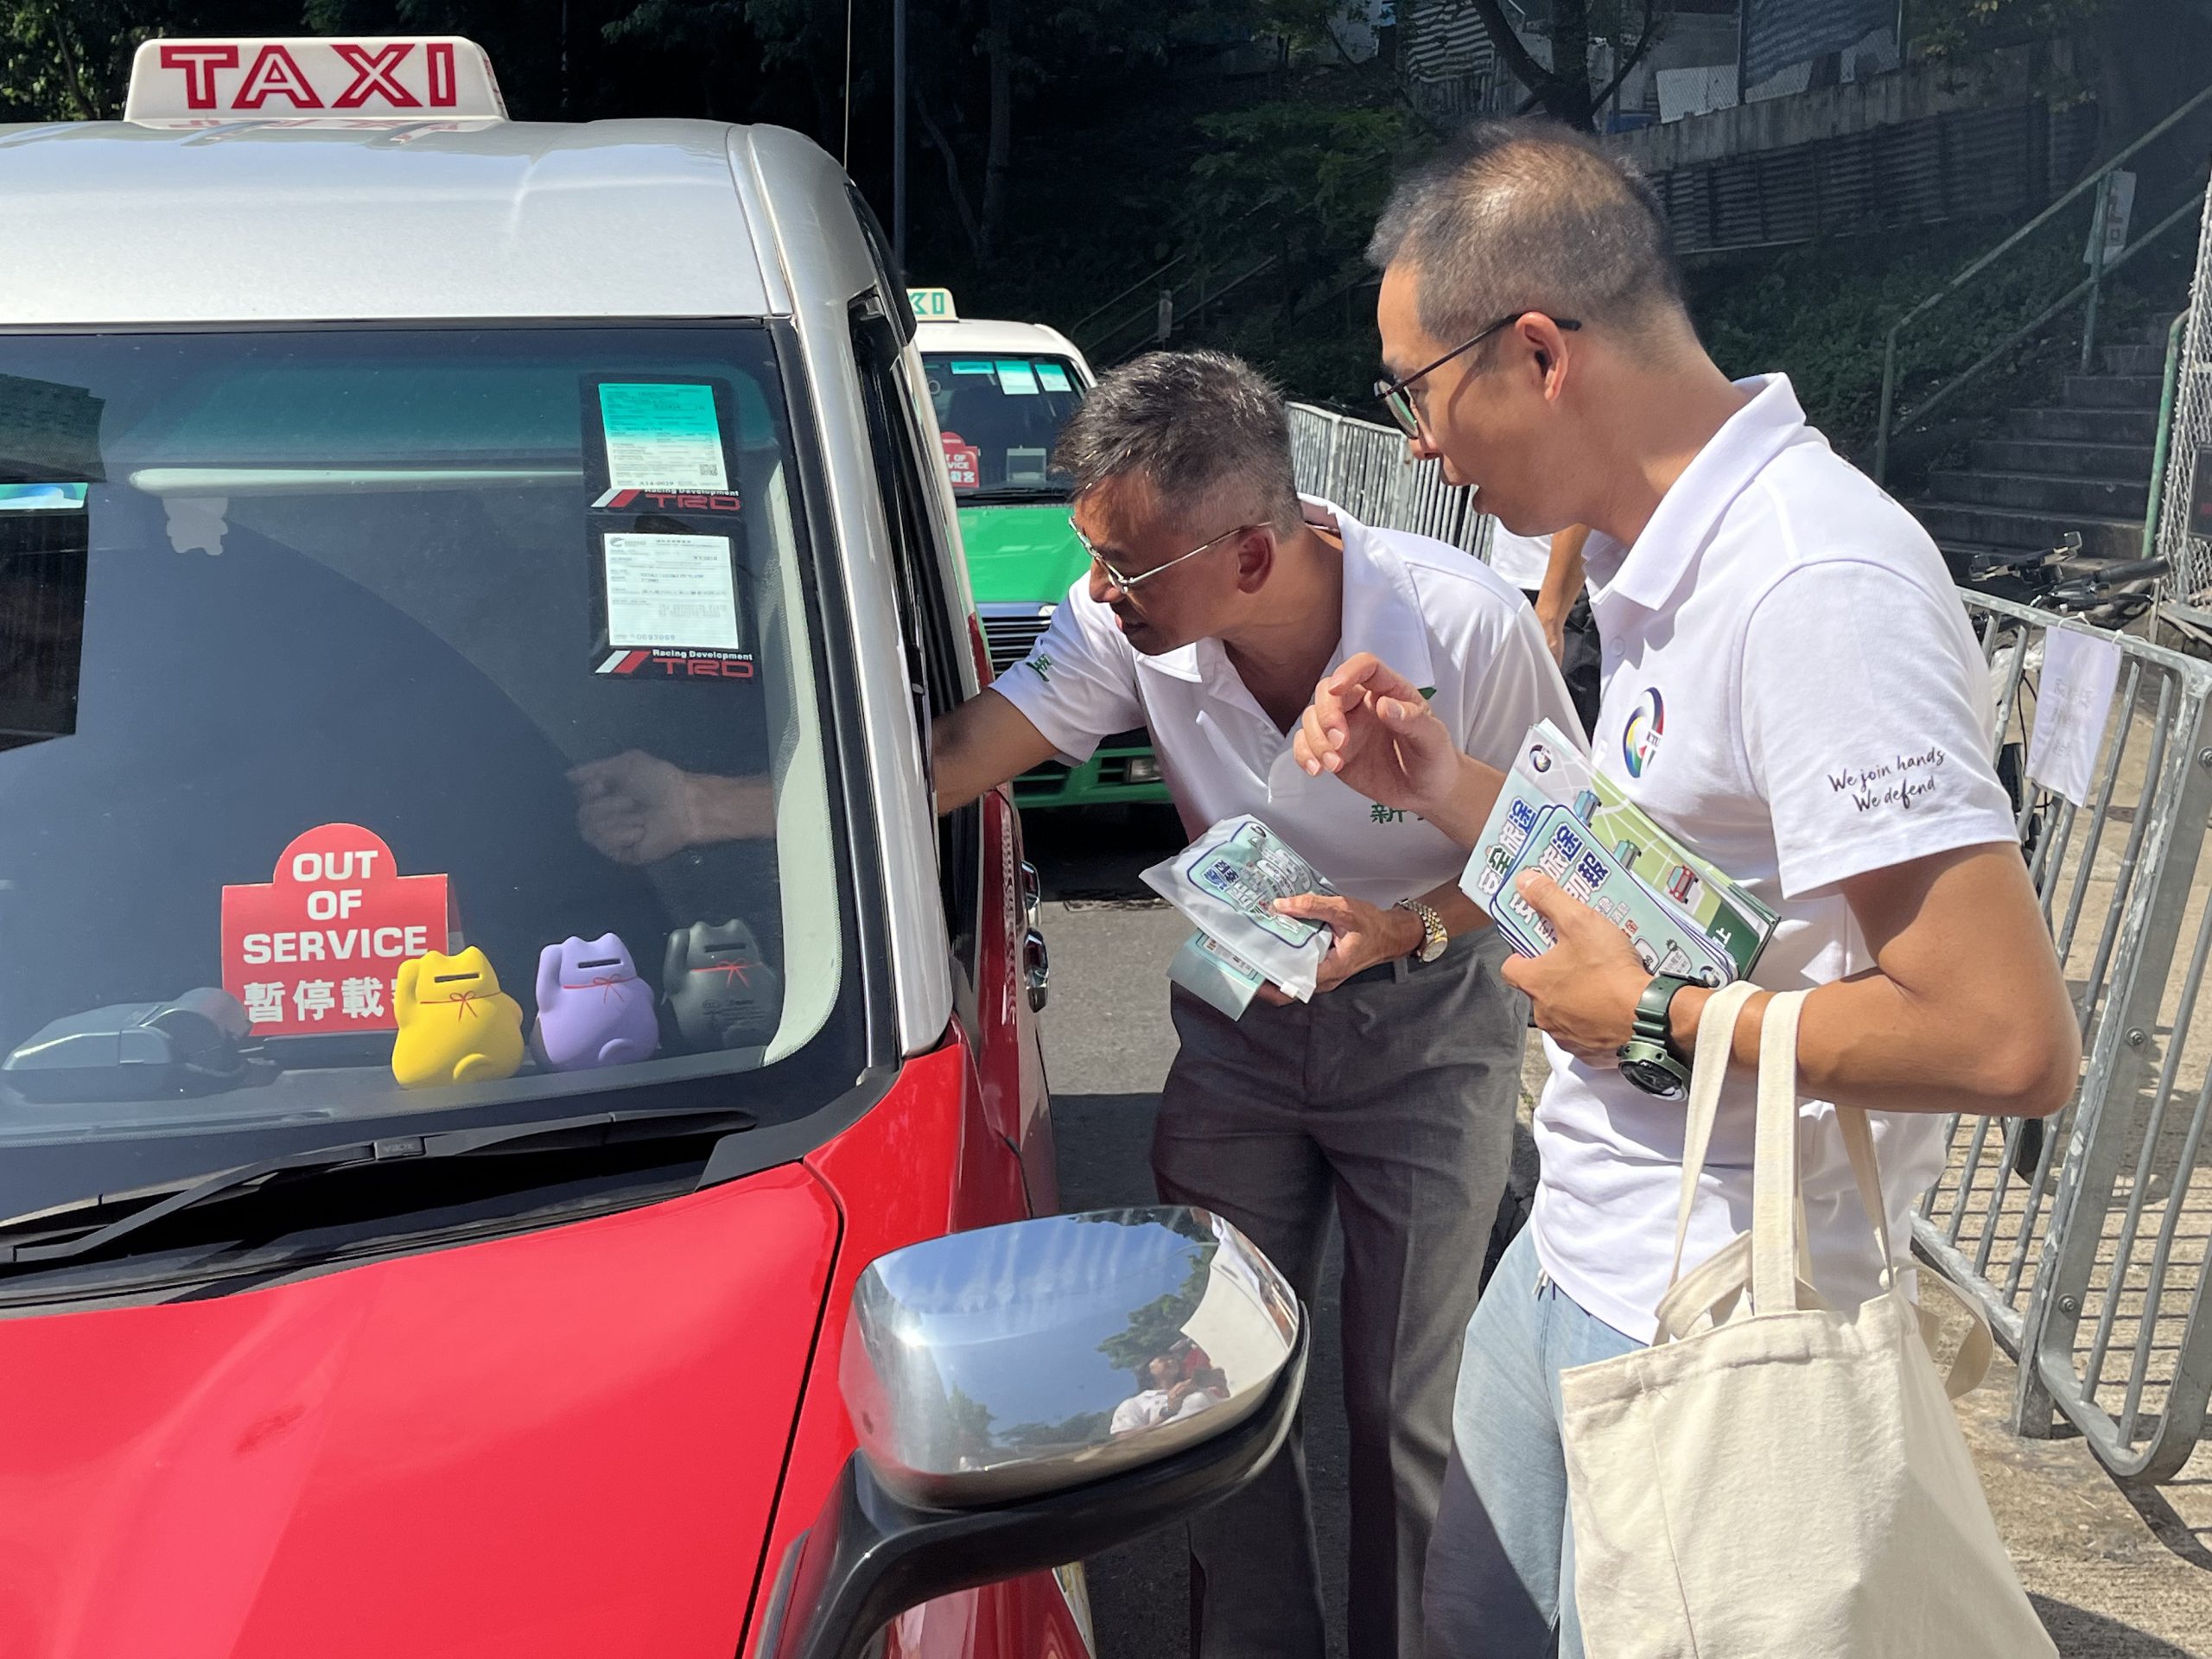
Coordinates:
(2130,1578)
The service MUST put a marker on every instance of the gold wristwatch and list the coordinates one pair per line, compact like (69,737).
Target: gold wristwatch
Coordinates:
(1433,939)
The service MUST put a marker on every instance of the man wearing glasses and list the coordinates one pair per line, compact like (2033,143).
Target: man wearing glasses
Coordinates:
(1775,629)
(1215,600)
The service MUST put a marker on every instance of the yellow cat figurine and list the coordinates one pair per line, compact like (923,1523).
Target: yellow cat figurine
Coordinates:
(455,1023)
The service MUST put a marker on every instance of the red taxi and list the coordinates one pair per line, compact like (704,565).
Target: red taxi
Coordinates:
(520,1130)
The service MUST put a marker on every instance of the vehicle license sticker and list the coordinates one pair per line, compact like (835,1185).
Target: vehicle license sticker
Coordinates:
(969,366)
(1015,378)
(661,436)
(42,497)
(1051,377)
(669,591)
(317,947)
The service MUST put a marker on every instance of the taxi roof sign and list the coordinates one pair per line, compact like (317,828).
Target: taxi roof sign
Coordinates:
(932,304)
(380,78)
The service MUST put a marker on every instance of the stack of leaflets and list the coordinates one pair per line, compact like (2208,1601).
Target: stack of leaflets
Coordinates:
(1556,814)
(1227,882)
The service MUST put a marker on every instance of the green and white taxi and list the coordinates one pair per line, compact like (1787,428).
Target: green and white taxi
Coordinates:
(1002,391)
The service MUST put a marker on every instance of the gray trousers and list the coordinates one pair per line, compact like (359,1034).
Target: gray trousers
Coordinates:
(1393,1101)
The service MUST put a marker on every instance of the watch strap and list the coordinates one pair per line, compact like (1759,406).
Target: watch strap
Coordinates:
(1433,936)
(1649,1057)
(1652,1008)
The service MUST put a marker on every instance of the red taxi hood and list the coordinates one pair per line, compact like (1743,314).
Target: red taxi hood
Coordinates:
(562,1443)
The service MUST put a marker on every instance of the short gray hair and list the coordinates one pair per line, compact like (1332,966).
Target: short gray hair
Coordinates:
(1533,214)
(1193,423)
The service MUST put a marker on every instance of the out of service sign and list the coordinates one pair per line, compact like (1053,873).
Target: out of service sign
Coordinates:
(317,949)
(258,77)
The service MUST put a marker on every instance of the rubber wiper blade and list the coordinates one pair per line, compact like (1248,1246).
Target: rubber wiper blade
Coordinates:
(543,1135)
(1016,492)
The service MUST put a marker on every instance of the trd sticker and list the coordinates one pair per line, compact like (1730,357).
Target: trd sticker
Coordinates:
(668,501)
(677,664)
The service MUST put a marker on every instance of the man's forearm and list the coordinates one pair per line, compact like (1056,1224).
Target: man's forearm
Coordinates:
(1564,575)
(1866,1042)
(1463,813)
(730,809)
(980,745)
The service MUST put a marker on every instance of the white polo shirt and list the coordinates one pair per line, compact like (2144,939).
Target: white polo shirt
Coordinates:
(1435,615)
(1524,560)
(1793,690)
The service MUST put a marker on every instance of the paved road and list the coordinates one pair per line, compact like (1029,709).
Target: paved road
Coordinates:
(1107,1046)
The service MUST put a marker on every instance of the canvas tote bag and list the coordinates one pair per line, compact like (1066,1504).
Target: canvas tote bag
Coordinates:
(1774,1478)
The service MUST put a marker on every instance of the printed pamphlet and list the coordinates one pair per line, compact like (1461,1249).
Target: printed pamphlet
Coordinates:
(1557,814)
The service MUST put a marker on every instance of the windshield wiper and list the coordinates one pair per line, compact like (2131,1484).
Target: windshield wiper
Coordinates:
(1015,492)
(590,1129)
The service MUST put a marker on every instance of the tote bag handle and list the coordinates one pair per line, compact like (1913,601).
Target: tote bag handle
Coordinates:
(1770,1261)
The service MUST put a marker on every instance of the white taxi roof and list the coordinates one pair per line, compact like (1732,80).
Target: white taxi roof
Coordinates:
(978,334)
(266,221)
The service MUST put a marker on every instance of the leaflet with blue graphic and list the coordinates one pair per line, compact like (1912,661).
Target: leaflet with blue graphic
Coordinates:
(1680,903)
(1563,847)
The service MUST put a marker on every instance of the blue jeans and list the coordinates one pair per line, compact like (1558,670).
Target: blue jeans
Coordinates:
(1500,1582)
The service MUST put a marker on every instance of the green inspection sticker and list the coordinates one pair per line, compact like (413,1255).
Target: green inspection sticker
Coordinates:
(970,366)
(41,498)
(1015,378)
(1051,377)
(661,436)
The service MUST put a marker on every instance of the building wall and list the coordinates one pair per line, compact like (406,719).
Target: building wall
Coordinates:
(1914,93)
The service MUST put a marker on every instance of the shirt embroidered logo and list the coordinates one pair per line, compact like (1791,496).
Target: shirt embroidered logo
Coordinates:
(1640,737)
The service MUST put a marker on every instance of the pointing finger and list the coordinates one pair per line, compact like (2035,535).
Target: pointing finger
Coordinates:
(1552,901)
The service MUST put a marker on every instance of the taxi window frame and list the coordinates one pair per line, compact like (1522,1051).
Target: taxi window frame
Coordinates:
(937,662)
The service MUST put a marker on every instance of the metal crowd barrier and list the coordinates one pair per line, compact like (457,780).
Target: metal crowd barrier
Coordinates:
(1364,468)
(2082,1237)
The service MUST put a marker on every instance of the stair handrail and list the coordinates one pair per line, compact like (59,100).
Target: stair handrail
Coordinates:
(2094,182)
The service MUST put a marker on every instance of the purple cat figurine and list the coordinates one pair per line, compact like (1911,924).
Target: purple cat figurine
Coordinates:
(592,1007)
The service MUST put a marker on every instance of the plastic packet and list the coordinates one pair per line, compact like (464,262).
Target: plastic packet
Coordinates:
(1216,974)
(1226,880)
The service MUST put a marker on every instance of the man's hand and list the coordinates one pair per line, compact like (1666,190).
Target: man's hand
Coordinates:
(635,808)
(1365,933)
(1371,726)
(1585,987)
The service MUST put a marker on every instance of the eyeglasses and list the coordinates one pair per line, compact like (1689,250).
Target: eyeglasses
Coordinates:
(1397,396)
(1130,584)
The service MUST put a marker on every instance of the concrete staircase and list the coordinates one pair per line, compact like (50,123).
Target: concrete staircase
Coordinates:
(2082,465)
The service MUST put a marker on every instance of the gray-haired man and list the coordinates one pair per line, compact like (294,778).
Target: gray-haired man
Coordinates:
(1214,600)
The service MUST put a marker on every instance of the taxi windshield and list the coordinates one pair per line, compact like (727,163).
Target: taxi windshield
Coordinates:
(999,417)
(397,722)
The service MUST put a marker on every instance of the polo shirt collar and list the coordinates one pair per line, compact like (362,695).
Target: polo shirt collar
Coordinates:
(1382,609)
(1648,572)
(1382,612)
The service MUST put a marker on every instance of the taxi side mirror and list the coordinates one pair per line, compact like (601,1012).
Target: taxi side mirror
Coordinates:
(1030,1394)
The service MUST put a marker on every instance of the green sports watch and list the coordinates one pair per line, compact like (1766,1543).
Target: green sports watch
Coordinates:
(1648,1059)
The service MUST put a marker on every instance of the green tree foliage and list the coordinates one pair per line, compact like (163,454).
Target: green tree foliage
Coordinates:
(1157,1325)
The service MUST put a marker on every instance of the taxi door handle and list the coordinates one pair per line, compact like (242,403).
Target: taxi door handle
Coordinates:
(1033,894)
(1037,968)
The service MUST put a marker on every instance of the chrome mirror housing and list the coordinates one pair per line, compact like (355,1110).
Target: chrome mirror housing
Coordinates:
(1031,1395)
(990,1366)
